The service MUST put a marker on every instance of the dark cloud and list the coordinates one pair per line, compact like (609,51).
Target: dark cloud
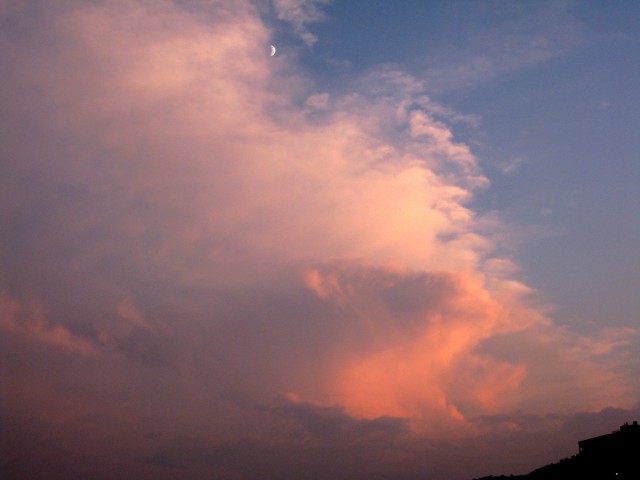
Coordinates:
(254,460)
(519,421)
(592,424)
(333,424)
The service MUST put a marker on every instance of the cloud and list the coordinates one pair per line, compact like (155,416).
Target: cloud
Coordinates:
(433,348)
(416,332)
(523,38)
(336,189)
(299,13)
(129,312)
(536,441)
(335,425)
(215,230)
(318,101)
(509,167)
(29,323)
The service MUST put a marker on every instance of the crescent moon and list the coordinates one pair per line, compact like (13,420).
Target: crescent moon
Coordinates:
(273,50)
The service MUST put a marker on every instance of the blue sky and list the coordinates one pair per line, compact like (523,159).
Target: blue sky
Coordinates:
(406,242)
(555,88)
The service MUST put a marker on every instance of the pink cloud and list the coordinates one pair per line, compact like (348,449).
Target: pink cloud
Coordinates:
(420,332)
(216,226)
(29,323)
(299,13)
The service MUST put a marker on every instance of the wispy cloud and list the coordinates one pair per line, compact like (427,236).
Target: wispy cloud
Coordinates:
(524,38)
(300,13)
(29,323)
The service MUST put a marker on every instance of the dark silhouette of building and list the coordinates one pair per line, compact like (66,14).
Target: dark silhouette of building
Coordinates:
(614,456)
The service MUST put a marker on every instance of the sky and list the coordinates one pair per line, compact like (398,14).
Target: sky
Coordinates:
(404,246)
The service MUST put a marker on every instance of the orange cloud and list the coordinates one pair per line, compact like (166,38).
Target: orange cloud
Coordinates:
(420,331)
(431,347)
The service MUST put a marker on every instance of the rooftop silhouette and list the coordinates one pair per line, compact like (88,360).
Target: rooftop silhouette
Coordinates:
(615,455)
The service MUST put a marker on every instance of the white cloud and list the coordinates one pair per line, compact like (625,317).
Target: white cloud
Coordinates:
(300,13)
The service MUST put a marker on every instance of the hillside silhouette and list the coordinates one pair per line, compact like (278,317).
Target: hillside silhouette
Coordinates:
(612,456)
